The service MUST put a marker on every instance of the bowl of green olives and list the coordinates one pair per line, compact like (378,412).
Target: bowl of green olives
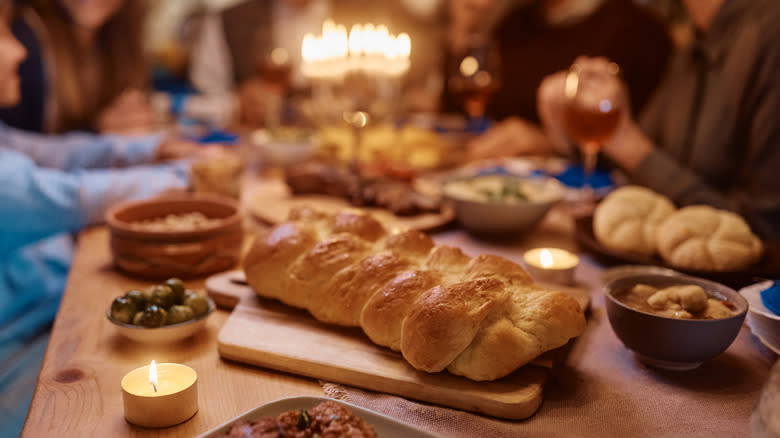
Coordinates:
(166,312)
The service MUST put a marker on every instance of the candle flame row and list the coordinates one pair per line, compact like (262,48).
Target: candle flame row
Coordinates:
(367,48)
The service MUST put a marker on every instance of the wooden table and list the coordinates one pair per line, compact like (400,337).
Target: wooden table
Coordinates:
(78,392)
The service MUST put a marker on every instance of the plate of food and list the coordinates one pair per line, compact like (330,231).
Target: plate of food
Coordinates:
(634,225)
(763,322)
(416,147)
(314,416)
(329,187)
(336,292)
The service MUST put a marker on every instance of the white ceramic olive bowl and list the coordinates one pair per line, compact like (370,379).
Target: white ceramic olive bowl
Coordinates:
(165,334)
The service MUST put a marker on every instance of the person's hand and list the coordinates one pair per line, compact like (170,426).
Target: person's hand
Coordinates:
(129,114)
(255,98)
(176,149)
(511,137)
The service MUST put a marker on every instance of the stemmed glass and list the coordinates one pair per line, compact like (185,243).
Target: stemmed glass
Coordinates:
(592,112)
(474,75)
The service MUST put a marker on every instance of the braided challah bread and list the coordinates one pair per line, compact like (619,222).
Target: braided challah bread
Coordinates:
(628,218)
(701,237)
(480,317)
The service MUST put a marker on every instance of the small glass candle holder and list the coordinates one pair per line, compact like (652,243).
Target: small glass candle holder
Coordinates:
(551,265)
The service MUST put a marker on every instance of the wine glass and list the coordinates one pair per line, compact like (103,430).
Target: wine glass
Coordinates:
(275,70)
(474,75)
(591,113)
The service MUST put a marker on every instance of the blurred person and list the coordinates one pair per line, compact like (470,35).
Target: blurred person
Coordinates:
(710,135)
(85,70)
(540,37)
(51,186)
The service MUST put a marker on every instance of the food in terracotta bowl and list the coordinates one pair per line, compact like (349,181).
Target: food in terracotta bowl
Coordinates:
(502,204)
(175,236)
(670,320)
(166,312)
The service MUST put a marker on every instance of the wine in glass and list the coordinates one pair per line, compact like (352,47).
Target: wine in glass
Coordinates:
(474,77)
(275,70)
(591,113)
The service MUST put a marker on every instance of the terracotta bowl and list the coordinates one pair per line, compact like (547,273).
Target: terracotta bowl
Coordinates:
(670,343)
(160,254)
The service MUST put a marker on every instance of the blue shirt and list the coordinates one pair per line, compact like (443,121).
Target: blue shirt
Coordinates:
(51,186)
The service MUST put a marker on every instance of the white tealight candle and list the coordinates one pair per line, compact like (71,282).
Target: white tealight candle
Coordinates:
(551,264)
(160,395)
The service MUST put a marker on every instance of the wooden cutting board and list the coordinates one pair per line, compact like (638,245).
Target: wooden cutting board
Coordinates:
(269,334)
(272,201)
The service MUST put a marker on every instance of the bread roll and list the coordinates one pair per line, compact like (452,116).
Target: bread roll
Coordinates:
(480,317)
(703,238)
(628,218)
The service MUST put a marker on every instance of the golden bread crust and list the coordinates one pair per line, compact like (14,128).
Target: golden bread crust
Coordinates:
(704,238)
(628,219)
(480,317)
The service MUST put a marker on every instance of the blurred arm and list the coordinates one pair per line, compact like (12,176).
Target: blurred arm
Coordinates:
(80,150)
(44,201)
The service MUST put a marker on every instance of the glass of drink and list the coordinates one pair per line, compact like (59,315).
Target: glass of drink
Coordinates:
(591,113)
(275,70)
(474,76)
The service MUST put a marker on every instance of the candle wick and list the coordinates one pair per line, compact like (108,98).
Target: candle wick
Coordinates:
(154,386)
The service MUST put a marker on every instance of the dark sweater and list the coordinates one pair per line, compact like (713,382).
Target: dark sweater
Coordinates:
(531,49)
(715,119)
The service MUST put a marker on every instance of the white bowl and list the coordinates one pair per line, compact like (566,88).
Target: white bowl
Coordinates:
(278,152)
(506,216)
(165,334)
(762,321)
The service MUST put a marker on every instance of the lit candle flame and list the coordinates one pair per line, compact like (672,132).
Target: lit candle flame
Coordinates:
(153,376)
(367,48)
(545,258)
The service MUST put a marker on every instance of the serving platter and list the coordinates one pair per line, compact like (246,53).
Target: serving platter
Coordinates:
(272,201)
(384,426)
(767,267)
(269,334)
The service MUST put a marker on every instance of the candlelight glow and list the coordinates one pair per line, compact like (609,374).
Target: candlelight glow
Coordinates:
(153,376)
(279,56)
(469,66)
(367,48)
(545,258)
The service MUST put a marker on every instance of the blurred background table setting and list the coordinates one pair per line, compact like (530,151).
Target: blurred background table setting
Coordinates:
(425,218)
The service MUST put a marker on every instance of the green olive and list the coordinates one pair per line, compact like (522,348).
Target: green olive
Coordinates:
(178,314)
(162,296)
(153,316)
(178,289)
(198,303)
(139,298)
(123,310)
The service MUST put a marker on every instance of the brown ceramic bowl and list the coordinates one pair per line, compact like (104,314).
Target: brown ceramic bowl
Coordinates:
(670,343)
(160,253)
